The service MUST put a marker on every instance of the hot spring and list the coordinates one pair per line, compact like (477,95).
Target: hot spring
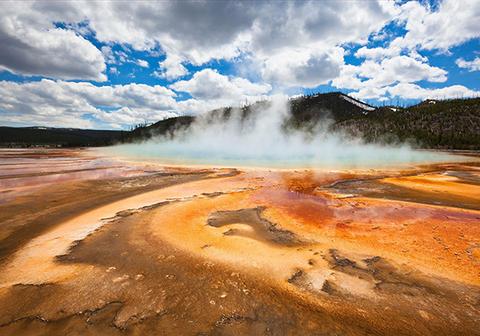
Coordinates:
(261,141)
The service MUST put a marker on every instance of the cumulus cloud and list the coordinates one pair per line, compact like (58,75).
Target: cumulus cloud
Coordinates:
(370,76)
(113,71)
(448,25)
(60,103)
(82,104)
(210,90)
(399,62)
(197,32)
(298,43)
(142,63)
(171,68)
(32,46)
(108,55)
(208,84)
(413,91)
(306,23)
(377,53)
(473,65)
(300,67)
(451,24)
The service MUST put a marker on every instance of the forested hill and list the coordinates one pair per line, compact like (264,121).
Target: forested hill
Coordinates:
(446,124)
(442,124)
(57,137)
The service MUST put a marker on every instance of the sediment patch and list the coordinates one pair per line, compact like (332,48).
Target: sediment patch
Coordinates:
(262,227)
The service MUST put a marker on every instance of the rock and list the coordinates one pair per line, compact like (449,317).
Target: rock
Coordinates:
(122,278)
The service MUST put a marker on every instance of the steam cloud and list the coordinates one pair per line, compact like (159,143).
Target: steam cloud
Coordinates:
(261,140)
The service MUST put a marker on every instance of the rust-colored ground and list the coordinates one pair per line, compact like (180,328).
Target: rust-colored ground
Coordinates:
(94,246)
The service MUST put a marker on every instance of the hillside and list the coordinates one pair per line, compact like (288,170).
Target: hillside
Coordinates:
(164,127)
(57,137)
(305,110)
(447,124)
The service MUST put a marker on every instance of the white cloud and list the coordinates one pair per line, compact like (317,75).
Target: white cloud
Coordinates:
(450,24)
(404,69)
(309,23)
(32,46)
(370,93)
(211,90)
(142,63)
(300,67)
(398,69)
(113,71)
(298,43)
(413,91)
(82,104)
(208,84)
(108,55)
(348,78)
(377,53)
(473,65)
(197,32)
(59,103)
(171,68)
(453,23)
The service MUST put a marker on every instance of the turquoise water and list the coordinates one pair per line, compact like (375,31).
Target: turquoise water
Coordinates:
(335,157)
(262,141)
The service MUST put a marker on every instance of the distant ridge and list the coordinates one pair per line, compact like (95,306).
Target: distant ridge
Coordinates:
(441,124)
(305,110)
(57,137)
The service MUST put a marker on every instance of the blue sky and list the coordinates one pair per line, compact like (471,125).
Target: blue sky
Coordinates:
(117,64)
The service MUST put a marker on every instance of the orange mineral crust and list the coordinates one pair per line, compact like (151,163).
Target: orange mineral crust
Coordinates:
(436,239)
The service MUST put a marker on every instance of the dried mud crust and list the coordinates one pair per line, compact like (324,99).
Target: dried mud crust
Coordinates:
(140,285)
(26,217)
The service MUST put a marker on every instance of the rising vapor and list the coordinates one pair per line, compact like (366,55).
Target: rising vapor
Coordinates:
(261,140)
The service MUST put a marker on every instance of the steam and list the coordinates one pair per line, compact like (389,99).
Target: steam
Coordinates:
(262,140)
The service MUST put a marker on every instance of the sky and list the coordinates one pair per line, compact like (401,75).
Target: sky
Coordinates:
(113,65)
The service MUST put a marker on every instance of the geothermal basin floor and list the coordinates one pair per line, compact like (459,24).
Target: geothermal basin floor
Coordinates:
(92,246)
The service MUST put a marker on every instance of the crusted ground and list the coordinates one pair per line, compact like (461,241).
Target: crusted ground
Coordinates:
(223,252)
